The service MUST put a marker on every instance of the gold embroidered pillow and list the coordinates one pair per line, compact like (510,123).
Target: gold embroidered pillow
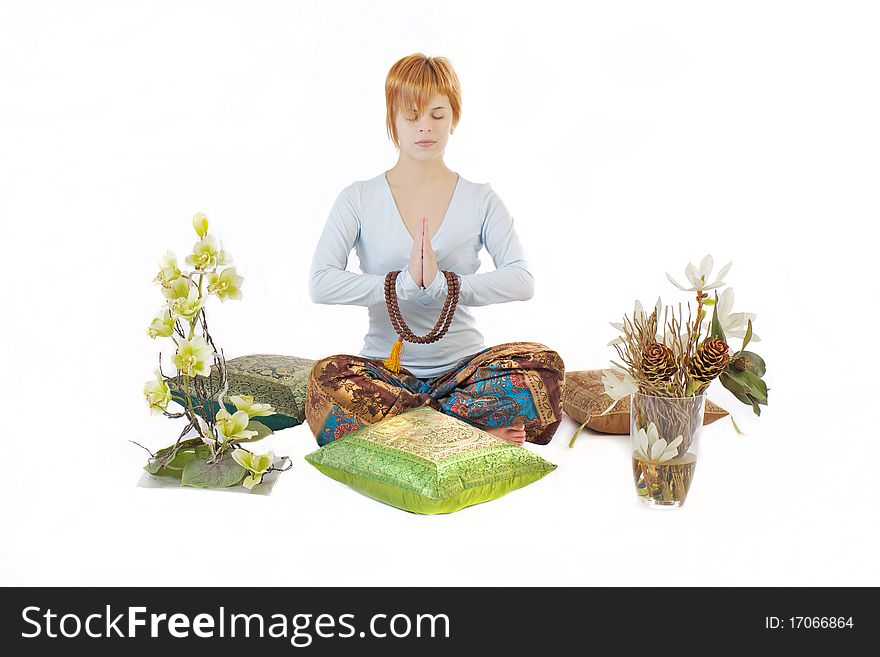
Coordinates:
(268,378)
(585,396)
(425,461)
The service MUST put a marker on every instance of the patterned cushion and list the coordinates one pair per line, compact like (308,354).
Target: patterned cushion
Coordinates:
(585,395)
(425,461)
(269,379)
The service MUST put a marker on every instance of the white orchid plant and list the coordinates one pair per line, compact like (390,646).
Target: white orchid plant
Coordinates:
(214,458)
(680,358)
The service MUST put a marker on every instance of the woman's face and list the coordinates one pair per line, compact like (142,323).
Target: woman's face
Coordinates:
(434,125)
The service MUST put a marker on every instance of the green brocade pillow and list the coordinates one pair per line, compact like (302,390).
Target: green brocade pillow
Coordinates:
(268,378)
(425,461)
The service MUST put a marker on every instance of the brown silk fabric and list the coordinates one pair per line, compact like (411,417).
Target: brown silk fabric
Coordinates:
(511,383)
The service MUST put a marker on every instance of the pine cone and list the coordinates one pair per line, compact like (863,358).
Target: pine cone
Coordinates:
(658,363)
(710,360)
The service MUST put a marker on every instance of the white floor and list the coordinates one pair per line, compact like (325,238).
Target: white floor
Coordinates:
(758,513)
(748,135)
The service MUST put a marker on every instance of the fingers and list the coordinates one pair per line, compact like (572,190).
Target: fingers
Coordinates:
(415,260)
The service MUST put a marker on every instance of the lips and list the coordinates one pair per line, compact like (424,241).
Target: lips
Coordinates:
(426,142)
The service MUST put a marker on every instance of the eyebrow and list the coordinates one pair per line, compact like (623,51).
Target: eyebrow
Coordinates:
(433,108)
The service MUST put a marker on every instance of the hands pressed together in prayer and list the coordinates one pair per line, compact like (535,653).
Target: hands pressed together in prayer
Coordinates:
(423,268)
(422,261)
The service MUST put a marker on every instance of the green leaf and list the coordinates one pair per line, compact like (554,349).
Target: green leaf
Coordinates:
(184,444)
(748,336)
(180,459)
(746,383)
(165,456)
(734,385)
(757,387)
(692,386)
(717,331)
(152,467)
(164,472)
(261,429)
(755,406)
(222,474)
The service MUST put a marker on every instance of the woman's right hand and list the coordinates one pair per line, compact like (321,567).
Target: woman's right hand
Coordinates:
(415,260)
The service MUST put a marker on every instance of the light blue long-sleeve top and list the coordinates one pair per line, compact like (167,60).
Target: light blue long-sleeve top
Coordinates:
(365,217)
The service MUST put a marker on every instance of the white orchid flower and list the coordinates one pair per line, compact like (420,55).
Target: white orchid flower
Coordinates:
(200,223)
(246,403)
(619,383)
(193,357)
(168,269)
(699,277)
(158,393)
(233,425)
(733,324)
(650,447)
(640,315)
(256,464)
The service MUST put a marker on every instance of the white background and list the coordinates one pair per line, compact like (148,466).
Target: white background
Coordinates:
(625,138)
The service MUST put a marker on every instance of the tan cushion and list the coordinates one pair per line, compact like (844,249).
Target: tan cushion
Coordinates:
(585,396)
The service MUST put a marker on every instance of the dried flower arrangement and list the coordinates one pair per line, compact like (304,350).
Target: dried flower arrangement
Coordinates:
(215,458)
(680,357)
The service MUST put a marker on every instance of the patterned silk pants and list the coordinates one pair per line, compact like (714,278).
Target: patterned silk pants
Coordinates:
(500,386)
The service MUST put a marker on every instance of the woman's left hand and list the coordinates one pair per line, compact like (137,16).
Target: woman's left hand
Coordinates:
(429,260)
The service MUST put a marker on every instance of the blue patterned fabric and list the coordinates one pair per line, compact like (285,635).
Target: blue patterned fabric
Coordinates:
(502,386)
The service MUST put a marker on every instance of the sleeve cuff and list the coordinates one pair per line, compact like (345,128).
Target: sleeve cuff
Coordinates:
(406,287)
(435,292)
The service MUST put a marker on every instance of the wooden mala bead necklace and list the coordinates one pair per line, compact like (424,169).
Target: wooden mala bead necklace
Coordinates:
(403,331)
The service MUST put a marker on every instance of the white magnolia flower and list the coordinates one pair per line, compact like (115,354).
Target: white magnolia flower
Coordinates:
(619,383)
(650,447)
(734,324)
(699,278)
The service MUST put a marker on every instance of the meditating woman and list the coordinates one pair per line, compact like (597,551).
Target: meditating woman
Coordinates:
(417,230)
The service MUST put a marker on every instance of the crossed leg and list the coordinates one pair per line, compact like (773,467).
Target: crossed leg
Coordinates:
(512,390)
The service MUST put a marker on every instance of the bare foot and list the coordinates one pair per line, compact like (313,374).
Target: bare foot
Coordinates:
(515,434)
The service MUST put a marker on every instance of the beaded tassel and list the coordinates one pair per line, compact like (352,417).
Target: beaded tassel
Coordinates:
(393,361)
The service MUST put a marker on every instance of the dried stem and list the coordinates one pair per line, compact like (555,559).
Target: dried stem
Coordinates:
(680,335)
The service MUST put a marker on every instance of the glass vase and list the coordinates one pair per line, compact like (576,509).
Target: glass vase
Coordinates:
(664,433)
